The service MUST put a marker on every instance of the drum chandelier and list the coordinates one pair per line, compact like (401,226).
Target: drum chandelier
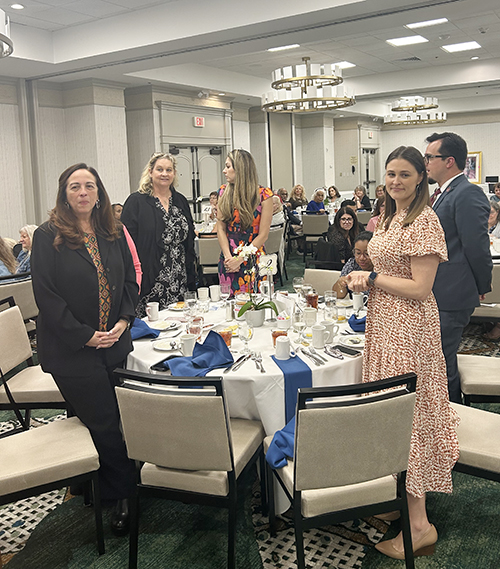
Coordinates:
(414,110)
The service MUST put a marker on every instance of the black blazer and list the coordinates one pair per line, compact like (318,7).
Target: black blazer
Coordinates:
(145,224)
(67,294)
(463,211)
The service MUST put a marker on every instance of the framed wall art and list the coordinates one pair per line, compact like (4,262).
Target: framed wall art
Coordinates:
(473,167)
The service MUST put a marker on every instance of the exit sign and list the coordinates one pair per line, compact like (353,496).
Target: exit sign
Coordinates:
(199,122)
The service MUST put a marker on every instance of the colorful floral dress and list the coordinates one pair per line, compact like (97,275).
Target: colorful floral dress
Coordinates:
(236,235)
(402,336)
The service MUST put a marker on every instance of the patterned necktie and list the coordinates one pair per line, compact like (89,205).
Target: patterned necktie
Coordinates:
(435,195)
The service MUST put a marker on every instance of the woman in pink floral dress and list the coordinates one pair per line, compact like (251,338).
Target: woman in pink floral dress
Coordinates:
(403,333)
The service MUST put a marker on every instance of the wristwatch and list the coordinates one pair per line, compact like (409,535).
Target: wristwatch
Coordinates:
(372,277)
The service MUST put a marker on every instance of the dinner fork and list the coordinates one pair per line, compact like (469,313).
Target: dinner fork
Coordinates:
(258,358)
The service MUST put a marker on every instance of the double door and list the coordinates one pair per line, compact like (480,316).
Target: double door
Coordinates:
(199,169)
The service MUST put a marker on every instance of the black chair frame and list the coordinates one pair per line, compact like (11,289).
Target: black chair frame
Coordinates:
(133,379)
(400,503)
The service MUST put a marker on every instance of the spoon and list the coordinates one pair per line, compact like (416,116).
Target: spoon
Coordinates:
(173,344)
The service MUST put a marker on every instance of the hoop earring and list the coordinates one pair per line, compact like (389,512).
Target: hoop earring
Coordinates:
(97,204)
(66,204)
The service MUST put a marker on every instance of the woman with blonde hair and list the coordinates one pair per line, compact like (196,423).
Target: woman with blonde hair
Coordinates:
(8,262)
(159,220)
(298,197)
(24,257)
(245,210)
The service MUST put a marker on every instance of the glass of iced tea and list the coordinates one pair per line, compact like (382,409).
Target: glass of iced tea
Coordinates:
(195,326)
(226,336)
(276,333)
(312,299)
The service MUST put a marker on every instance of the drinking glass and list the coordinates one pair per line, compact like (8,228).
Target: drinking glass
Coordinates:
(330,305)
(298,322)
(225,292)
(306,289)
(297,284)
(245,334)
(190,303)
(195,326)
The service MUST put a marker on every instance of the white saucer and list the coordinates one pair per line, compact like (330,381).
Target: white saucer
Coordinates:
(176,306)
(353,341)
(163,346)
(164,325)
(346,302)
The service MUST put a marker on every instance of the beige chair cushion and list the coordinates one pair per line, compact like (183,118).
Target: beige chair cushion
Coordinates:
(30,385)
(246,437)
(479,375)
(492,312)
(15,346)
(325,500)
(56,451)
(321,279)
(478,437)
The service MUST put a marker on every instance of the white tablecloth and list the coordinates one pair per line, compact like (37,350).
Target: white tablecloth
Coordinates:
(251,394)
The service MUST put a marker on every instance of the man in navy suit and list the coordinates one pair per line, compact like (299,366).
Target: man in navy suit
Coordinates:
(465,278)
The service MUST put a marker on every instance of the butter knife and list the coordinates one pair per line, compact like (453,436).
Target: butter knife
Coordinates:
(230,367)
(240,362)
(311,357)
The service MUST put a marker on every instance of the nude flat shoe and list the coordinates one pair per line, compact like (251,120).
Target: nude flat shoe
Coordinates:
(424,546)
(389,516)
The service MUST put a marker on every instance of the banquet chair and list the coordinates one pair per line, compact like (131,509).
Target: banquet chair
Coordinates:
(209,254)
(27,388)
(321,279)
(275,245)
(20,287)
(48,458)
(191,451)
(313,227)
(490,313)
(345,454)
(479,379)
(364,216)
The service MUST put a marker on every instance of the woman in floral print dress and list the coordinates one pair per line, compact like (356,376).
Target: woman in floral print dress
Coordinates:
(403,334)
(244,217)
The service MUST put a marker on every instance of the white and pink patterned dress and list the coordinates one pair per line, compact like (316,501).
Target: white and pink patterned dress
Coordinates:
(402,336)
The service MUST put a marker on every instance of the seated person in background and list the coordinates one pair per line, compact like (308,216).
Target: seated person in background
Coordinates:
(494,220)
(214,200)
(360,198)
(298,197)
(283,194)
(278,213)
(24,257)
(495,198)
(349,203)
(379,191)
(377,212)
(8,262)
(332,195)
(360,262)
(117,210)
(316,205)
(343,232)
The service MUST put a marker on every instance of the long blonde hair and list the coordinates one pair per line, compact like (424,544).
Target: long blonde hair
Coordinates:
(243,195)
(146,183)
(7,256)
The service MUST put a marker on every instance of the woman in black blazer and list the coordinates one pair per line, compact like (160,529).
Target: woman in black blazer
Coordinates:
(85,287)
(160,222)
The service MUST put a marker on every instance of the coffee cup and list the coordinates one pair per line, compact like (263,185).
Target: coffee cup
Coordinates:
(283,351)
(319,336)
(358,300)
(310,315)
(203,293)
(284,323)
(152,310)
(188,342)
(331,328)
(215,293)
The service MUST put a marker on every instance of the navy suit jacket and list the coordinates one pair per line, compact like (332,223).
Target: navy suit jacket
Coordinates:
(463,211)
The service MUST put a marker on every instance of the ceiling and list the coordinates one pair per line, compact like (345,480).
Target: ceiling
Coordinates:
(211,45)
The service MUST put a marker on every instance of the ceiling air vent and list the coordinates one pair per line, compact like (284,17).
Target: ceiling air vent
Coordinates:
(409,59)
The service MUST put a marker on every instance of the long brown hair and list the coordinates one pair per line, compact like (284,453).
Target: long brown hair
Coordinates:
(7,256)
(244,194)
(415,158)
(65,222)
(353,232)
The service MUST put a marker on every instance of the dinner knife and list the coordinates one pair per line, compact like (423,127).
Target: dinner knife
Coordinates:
(230,367)
(240,362)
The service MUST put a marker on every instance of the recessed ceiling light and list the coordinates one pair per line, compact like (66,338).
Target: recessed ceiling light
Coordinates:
(17,6)
(221,94)
(465,46)
(426,23)
(409,40)
(475,57)
(283,47)
(344,64)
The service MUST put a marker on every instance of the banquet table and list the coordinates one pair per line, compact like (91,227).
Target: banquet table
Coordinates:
(250,393)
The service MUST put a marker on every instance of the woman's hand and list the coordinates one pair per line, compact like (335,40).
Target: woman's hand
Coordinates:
(232,264)
(358,281)
(102,340)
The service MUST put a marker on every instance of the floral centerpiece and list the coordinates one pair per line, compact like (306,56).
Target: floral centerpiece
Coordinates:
(249,254)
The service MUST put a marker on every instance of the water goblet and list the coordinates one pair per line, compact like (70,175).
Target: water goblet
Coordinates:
(330,305)
(298,322)
(190,303)
(297,285)
(245,334)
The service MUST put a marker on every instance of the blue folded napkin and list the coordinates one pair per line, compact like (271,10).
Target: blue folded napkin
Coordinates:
(297,374)
(212,354)
(357,324)
(141,330)
(282,445)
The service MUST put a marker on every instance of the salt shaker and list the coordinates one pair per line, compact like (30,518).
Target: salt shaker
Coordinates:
(230,310)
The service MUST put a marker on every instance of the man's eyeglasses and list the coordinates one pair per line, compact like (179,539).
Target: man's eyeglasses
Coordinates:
(428,157)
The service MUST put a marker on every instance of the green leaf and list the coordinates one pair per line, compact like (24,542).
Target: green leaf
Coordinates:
(247,306)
